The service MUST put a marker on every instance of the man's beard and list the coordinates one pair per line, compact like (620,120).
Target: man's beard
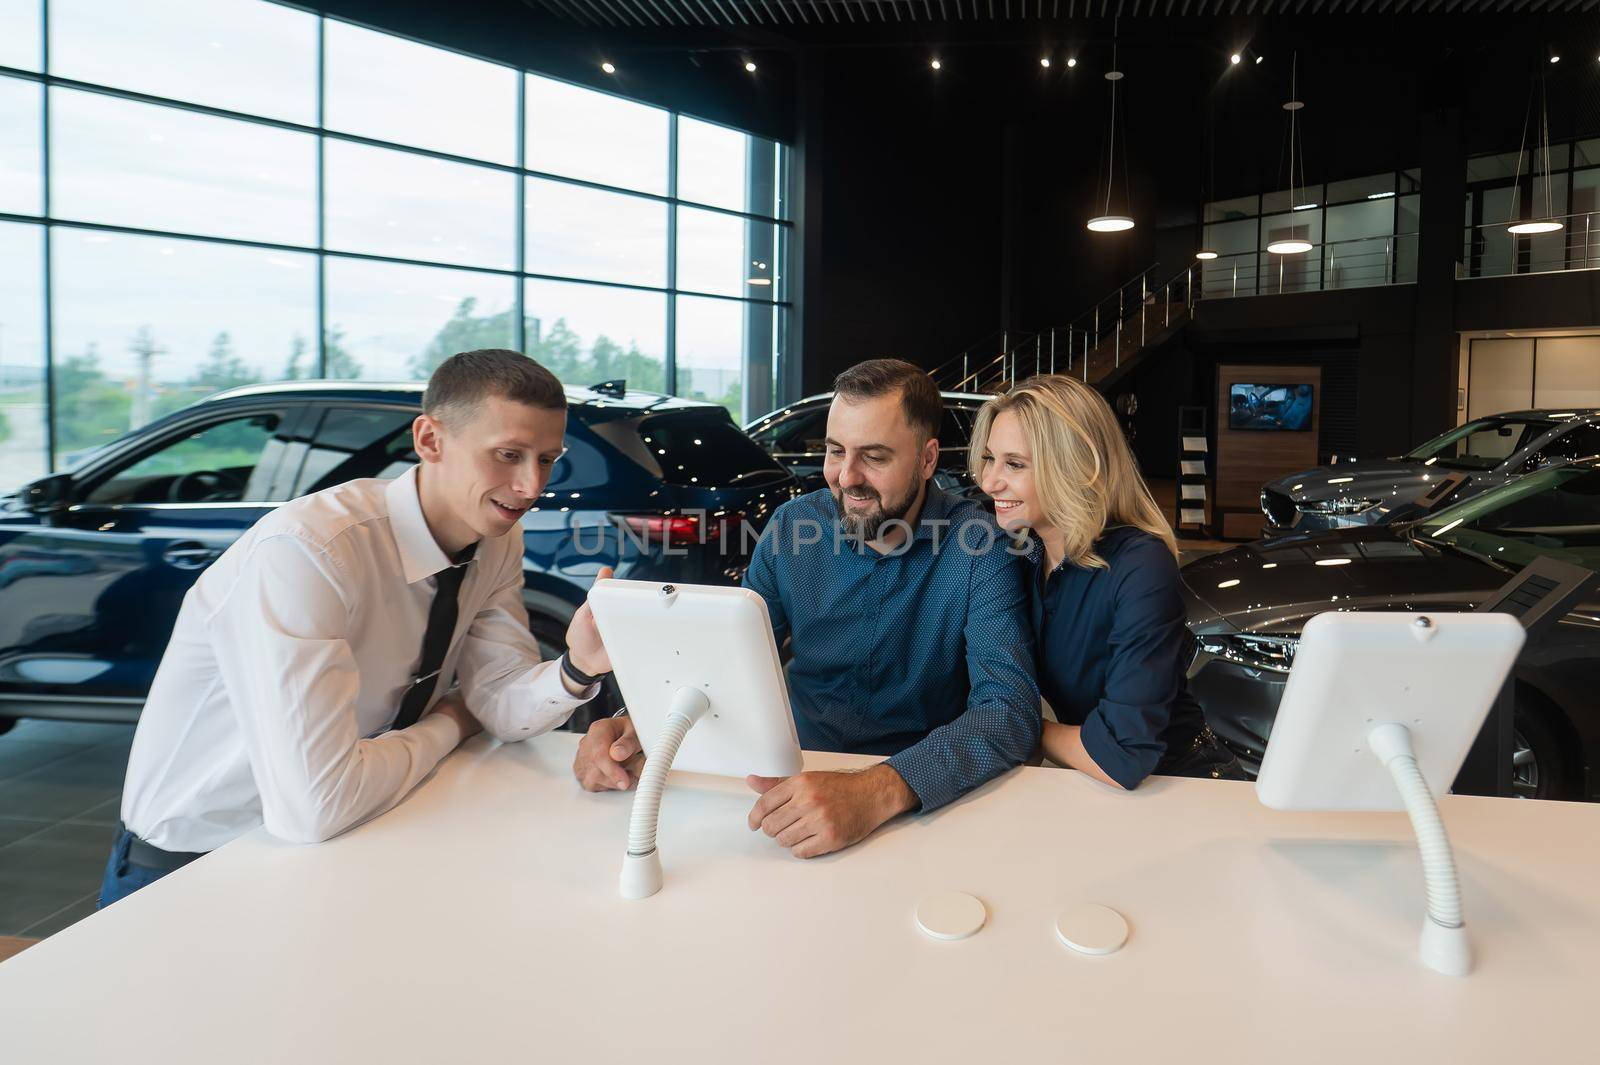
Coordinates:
(866,525)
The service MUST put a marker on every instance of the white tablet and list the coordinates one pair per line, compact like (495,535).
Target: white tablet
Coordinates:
(1436,673)
(665,637)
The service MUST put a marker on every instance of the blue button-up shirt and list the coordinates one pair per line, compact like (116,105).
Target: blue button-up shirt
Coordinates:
(924,654)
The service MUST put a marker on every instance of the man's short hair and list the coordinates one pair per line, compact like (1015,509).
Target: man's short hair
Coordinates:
(463,381)
(919,396)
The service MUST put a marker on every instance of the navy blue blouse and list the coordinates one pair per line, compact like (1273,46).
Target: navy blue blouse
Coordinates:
(1112,652)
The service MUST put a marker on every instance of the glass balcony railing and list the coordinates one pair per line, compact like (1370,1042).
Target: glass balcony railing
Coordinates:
(1361,262)
(1490,250)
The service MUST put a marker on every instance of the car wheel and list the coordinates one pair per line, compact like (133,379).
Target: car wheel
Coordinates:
(552,637)
(1538,764)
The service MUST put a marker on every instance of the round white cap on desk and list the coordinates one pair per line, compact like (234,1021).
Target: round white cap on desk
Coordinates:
(1092,929)
(950,915)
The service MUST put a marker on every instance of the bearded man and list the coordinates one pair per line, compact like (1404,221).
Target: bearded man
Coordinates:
(908,620)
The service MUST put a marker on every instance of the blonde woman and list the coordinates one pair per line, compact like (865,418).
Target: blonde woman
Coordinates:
(1111,642)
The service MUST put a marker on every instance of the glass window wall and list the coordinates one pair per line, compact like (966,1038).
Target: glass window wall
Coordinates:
(143,326)
(229,237)
(22,364)
(21,140)
(379,201)
(391,89)
(145,166)
(1360,231)
(21,33)
(594,136)
(236,55)
(397,322)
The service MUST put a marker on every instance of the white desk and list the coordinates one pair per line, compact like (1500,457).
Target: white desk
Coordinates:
(480,922)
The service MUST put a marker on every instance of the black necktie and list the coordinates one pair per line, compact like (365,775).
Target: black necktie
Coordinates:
(436,639)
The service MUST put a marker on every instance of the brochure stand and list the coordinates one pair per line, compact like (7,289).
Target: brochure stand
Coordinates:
(1190,519)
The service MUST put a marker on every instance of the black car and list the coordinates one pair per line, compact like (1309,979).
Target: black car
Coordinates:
(94,563)
(1247,606)
(794,434)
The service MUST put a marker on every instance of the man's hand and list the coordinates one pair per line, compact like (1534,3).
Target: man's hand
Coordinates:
(455,708)
(818,813)
(609,756)
(584,646)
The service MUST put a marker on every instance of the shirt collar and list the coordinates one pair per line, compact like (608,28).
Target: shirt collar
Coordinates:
(936,507)
(420,554)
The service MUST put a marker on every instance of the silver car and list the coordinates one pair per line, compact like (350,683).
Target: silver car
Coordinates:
(1487,452)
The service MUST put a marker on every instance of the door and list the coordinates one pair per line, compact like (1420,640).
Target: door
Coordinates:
(89,593)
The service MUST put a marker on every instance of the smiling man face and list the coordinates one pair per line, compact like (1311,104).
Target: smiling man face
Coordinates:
(493,425)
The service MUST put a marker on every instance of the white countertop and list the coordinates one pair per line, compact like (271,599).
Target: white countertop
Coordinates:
(479,921)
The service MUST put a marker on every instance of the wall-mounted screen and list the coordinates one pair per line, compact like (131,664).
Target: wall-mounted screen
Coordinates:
(1278,408)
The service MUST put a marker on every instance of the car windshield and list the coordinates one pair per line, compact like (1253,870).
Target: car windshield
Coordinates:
(699,447)
(1554,512)
(1482,444)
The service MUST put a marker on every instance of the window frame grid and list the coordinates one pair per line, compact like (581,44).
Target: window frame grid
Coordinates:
(782,307)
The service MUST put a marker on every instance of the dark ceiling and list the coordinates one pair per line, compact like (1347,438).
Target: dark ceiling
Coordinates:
(802,12)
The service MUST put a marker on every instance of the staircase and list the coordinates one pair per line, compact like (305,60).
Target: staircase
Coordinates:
(1100,346)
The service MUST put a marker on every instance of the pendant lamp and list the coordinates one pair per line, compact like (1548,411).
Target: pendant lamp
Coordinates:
(1293,239)
(1106,221)
(1546,223)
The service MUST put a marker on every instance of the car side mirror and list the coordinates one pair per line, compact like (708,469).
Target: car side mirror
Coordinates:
(47,493)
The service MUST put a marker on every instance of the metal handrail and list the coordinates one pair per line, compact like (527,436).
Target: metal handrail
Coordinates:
(1579,240)
(1072,346)
(1374,260)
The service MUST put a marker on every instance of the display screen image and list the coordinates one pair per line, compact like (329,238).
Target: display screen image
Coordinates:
(1284,408)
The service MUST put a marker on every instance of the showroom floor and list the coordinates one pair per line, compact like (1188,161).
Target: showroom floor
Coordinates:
(60,788)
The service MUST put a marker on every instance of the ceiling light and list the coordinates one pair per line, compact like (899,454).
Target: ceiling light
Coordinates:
(1307,206)
(1205,253)
(1045,61)
(1555,59)
(607,67)
(1072,61)
(1379,195)
(1538,222)
(1333,561)
(1106,221)
(1234,58)
(935,65)
(1259,58)
(750,66)
(1289,246)
(760,281)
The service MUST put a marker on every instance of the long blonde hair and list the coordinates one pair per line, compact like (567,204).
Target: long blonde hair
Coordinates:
(1085,475)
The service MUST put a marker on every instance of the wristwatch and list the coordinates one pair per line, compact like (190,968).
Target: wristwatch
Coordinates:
(577,676)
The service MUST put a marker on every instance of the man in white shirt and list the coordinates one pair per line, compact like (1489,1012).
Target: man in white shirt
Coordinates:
(293,693)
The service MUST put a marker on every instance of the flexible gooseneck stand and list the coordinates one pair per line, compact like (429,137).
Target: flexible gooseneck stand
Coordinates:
(641,867)
(1444,945)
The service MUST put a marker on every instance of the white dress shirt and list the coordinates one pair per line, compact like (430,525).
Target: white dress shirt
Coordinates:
(274,700)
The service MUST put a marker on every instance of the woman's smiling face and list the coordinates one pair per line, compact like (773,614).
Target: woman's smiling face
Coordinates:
(1007,477)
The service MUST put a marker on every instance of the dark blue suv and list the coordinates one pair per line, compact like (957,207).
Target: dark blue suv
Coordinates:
(95,563)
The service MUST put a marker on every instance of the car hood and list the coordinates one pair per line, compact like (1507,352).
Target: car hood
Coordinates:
(1385,480)
(1276,586)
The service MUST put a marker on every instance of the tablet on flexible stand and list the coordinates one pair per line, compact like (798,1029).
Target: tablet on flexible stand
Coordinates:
(703,683)
(1378,714)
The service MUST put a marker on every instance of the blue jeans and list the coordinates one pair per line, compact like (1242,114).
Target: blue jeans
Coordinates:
(123,877)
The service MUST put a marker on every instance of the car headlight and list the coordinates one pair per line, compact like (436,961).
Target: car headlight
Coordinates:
(1337,505)
(1275,653)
